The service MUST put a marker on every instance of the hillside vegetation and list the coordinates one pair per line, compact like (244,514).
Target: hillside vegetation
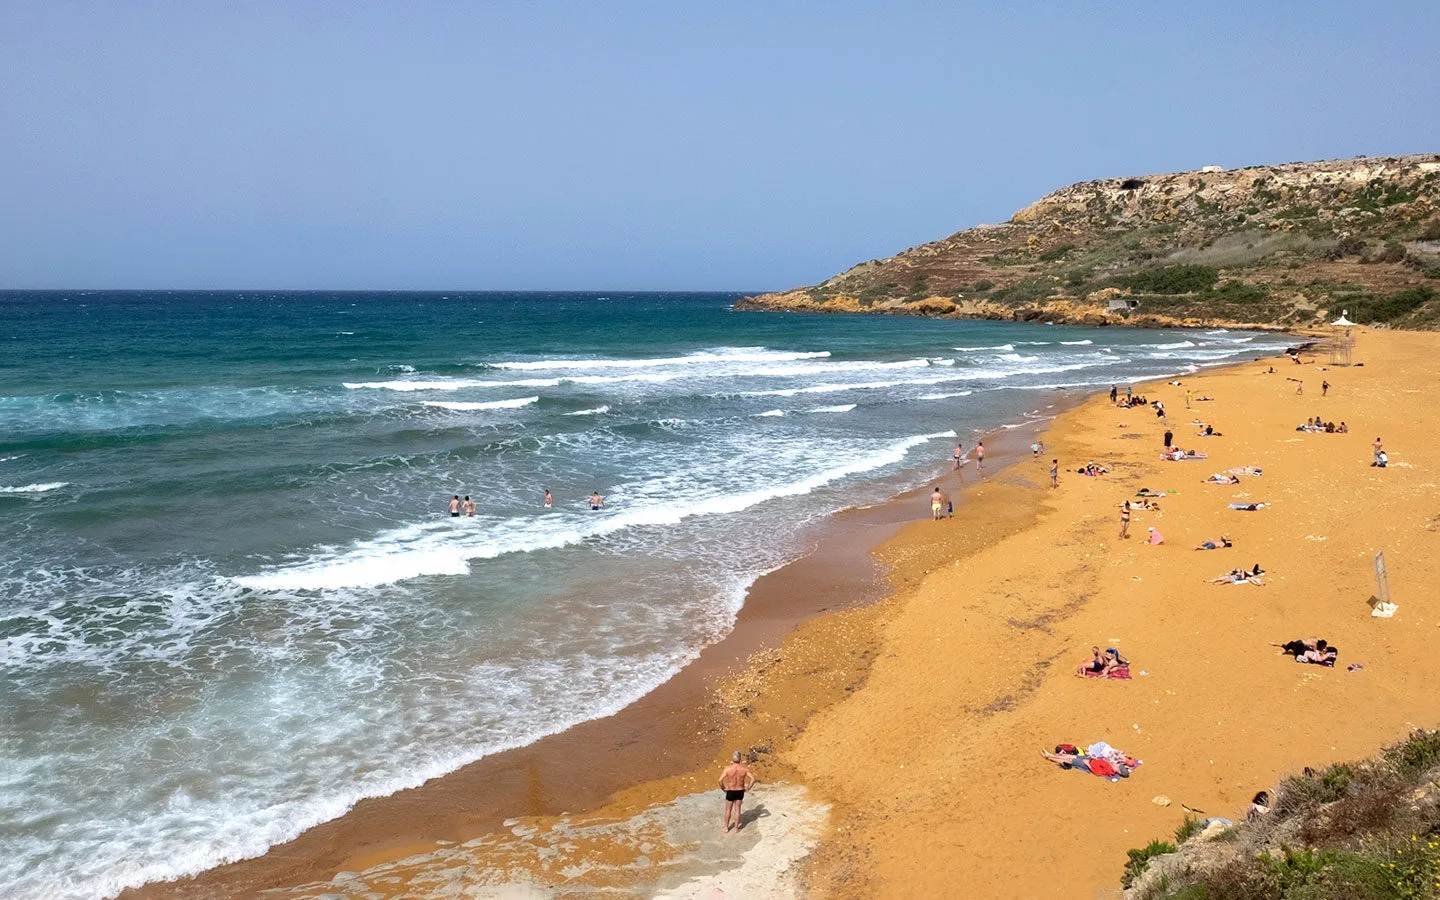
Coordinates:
(1279,246)
(1362,831)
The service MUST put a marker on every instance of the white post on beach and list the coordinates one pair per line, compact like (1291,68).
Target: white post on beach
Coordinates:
(1382,580)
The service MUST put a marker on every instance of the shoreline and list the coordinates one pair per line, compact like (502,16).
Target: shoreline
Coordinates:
(668,734)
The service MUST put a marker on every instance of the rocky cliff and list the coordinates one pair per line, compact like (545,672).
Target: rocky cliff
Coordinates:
(1280,246)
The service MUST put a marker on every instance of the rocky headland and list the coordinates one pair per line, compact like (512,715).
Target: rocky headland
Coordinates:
(1284,246)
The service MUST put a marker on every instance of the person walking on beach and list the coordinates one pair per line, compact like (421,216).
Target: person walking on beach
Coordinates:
(469,506)
(1169,438)
(1125,519)
(1324,388)
(596,501)
(1113,393)
(980,457)
(549,500)
(957,456)
(455,507)
(937,503)
(1054,473)
(735,781)
(1187,399)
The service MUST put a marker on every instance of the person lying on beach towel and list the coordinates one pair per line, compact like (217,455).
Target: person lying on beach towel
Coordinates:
(1315,651)
(1144,504)
(1241,576)
(1220,543)
(1105,665)
(1221,478)
(1249,507)
(1202,397)
(1176,454)
(1098,759)
(1255,471)
(1146,492)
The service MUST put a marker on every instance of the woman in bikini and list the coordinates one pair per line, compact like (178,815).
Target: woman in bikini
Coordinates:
(1125,519)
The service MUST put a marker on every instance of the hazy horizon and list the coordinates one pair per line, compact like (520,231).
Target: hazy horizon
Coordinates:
(545,147)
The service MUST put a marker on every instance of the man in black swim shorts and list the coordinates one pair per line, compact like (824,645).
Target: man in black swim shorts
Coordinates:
(735,781)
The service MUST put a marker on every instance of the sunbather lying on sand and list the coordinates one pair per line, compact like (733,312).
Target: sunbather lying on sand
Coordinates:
(1241,576)
(1092,469)
(1316,651)
(1104,664)
(1248,507)
(1146,492)
(1245,470)
(1220,543)
(1098,759)
(1176,454)
(1144,504)
(1222,478)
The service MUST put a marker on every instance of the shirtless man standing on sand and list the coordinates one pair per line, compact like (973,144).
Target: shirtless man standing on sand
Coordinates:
(980,457)
(937,504)
(957,456)
(735,781)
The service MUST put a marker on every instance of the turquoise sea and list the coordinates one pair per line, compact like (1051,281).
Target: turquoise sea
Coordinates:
(232,602)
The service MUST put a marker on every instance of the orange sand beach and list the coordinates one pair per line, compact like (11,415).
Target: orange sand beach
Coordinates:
(927,750)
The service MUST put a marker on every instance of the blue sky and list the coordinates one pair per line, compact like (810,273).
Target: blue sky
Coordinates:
(664,145)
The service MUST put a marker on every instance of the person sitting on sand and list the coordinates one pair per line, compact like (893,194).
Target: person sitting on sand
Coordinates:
(1342,428)
(1220,543)
(1208,431)
(1222,478)
(1259,806)
(1102,663)
(735,781)
(1155,537)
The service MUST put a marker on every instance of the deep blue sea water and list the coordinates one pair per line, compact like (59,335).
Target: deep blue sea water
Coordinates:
(231,600)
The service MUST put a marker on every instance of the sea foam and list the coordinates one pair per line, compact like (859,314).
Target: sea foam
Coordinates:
(493,404)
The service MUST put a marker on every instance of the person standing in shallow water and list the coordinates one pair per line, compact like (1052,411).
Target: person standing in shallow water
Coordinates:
(455,507)
(735,781)
(549,500)
(469,506)
(596,501)
(980,457)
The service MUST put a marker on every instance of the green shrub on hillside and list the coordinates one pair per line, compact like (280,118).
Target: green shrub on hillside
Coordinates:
(1181,279)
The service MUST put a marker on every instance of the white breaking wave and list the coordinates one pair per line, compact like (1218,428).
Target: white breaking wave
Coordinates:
(446,547)
(1083,343)
(494,404)
(742,355)
(772,412)
(1016,357)
(1175,346)
(975,349)
(32,488)
(1219,331)
(946,396)
(843,408)
(589,412)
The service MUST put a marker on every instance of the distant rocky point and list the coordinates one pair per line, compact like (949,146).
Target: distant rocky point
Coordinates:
(1284,246)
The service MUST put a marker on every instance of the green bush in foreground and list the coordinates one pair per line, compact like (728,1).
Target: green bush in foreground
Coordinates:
(1362,831)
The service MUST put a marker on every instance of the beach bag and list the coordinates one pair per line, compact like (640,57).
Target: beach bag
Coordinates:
(1066,748)
(1103,767)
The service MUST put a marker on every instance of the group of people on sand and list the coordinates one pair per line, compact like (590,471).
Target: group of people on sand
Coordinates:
(466,507)
(1131,400)
(1176,454)
(1314,425)
(1109,664)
